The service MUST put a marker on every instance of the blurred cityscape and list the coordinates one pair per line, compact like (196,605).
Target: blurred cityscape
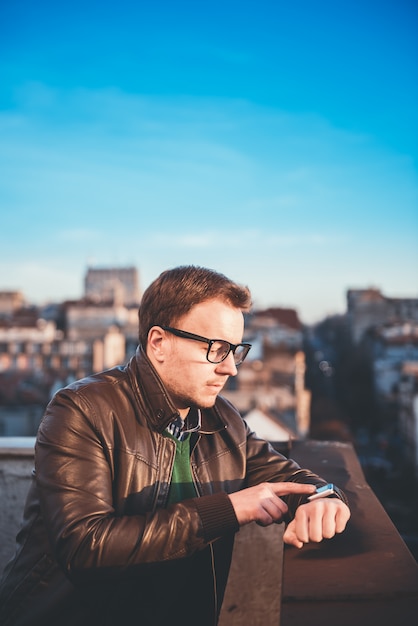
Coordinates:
(350,378)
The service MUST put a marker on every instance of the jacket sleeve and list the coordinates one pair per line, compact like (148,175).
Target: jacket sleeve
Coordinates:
(75,479)
(265,464)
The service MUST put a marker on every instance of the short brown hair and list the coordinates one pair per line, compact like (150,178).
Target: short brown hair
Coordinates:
(176,291)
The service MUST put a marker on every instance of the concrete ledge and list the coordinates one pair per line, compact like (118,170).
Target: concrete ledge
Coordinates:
(17,446)
(16,464)
(366,575)
(254,590)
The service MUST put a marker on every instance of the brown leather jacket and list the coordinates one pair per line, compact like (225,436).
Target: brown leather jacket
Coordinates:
(98,542)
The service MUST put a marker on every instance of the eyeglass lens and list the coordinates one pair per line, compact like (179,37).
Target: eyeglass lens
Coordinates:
(219,350)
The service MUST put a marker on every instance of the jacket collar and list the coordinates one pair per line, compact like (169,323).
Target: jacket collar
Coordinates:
(160,408)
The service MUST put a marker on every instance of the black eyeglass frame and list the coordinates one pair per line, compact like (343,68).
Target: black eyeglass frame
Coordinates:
(232,347)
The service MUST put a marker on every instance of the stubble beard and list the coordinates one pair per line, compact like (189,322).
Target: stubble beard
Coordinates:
(185,401)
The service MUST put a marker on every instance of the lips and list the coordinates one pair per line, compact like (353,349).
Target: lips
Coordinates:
(216,386)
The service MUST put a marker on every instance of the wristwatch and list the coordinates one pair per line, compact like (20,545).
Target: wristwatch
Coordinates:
(323,492)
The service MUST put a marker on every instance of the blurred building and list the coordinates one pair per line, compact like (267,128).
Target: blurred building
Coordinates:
(38,346)
(119,285)
(408,411)
(385,331)
(270,390)
(395,370)
(367,308)
(393,345)
(10,301)
(43,349)
(88,321)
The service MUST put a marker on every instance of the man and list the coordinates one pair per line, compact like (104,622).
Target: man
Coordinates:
(144,473)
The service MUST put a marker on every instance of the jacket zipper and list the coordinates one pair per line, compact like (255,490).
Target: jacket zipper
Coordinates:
(212,555)
(160,499)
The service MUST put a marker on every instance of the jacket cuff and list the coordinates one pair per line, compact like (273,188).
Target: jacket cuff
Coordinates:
(341,495)
(217,515)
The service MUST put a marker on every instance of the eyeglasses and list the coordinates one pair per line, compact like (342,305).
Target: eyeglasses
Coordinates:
(218,349)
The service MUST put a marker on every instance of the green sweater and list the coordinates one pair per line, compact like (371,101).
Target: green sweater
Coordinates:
(182,485)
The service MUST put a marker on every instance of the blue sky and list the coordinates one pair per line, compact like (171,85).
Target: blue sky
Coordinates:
(273,141)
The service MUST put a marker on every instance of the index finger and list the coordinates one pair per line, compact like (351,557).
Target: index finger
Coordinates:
(284,489)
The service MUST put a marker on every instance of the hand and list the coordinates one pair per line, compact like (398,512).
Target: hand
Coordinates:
(262,503)
(317,520)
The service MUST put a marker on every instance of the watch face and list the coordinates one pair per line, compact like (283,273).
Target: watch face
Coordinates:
(322,492)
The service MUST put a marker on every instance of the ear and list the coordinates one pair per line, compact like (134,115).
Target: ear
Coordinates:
(156,344)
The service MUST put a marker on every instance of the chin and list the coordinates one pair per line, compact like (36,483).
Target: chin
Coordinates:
(209,403)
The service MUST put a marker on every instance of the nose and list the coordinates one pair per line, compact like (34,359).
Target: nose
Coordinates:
(227,366)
